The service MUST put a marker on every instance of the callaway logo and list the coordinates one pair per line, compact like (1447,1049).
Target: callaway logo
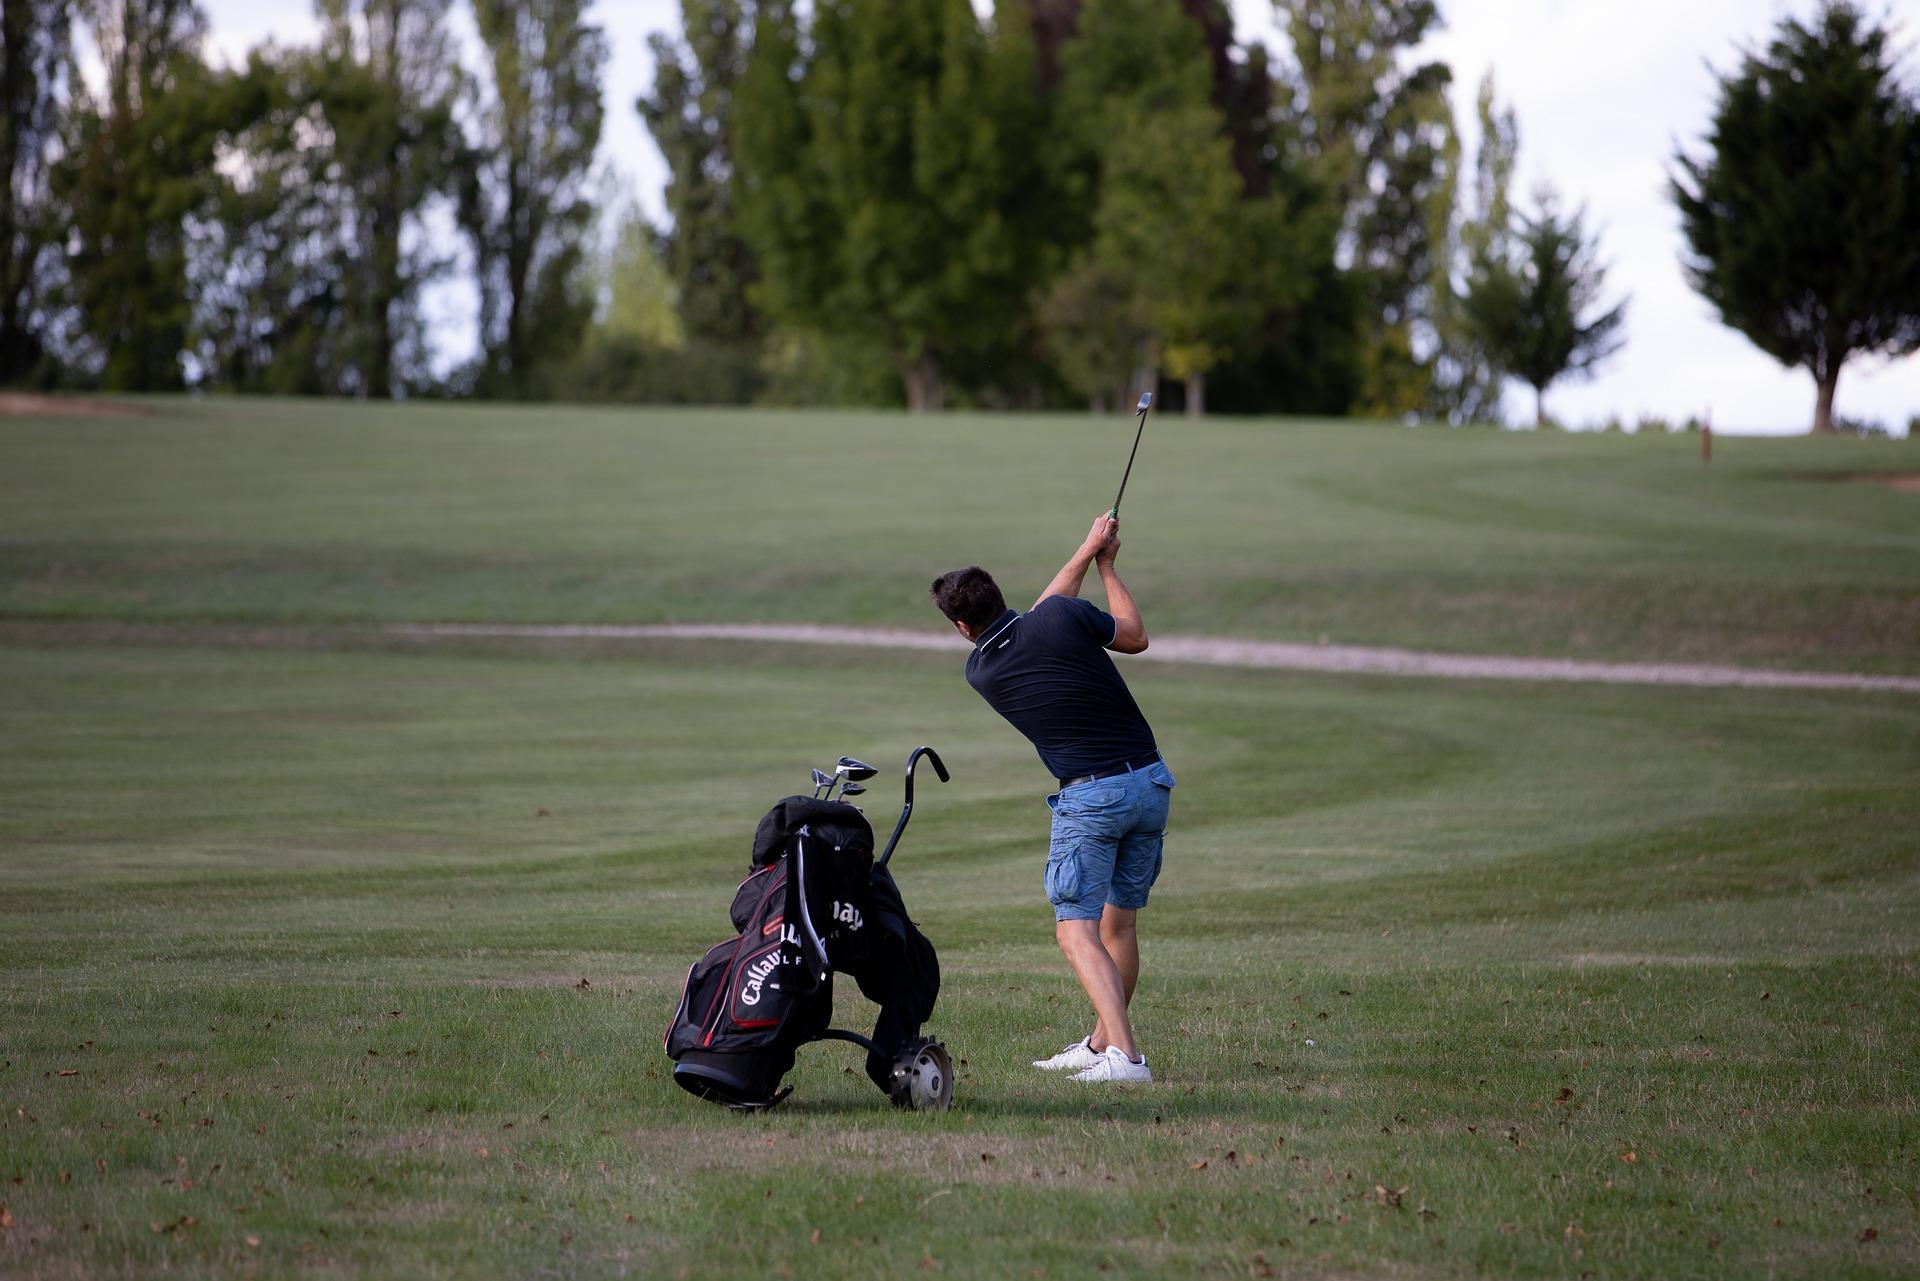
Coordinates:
(848,914)
(757,974)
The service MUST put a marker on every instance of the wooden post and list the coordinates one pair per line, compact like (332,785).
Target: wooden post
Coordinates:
(1706,439)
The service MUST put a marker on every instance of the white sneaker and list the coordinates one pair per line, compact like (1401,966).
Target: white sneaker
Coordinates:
(1114,1065)
(1074,1058)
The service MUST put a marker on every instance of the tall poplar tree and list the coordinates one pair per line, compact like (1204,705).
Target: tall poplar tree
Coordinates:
(35,58)
(1380,133)
(689,111)
(1802,219)
(526,204)
(387,79)
(138,161)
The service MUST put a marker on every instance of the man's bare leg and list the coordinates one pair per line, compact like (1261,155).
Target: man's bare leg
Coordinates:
(1122,945)
(1101,979)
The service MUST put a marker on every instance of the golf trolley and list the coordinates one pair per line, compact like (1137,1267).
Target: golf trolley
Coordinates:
(815,902)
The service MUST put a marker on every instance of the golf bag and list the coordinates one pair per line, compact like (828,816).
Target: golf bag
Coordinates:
(814,903)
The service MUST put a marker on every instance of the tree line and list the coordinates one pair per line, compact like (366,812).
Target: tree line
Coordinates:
(895,201)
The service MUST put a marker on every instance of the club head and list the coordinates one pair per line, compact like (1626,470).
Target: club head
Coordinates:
(822,779)
(1146,403)
(854,771)
(851,789)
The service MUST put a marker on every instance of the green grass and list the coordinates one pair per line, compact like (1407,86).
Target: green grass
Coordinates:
(1476,541)
(1616,982)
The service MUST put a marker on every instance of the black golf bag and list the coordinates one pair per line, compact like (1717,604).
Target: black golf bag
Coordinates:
(816,902)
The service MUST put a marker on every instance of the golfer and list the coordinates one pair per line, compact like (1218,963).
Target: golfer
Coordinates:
(1047,671)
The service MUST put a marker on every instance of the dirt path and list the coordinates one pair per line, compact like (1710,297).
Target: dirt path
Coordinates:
(1216,652)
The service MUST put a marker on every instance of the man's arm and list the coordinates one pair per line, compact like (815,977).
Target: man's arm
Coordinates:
(1129,632)
(1074,572)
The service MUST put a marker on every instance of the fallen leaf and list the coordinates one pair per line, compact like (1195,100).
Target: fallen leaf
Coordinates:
(68,1072)
(814,1236)
(481,1153)
(1563,1095)
(6,1218)
(1388,1196)
(583,985)
(1630,1156)
(543,813)
(1575,1232)
(1198,1165)
(929,1264)
(1426,1213)
(253,1242)
(1869,1235)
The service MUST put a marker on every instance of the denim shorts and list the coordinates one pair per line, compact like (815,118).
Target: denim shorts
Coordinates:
(1106,842)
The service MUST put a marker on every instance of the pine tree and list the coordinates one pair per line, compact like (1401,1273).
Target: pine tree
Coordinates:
(1803,218)
(1532,303)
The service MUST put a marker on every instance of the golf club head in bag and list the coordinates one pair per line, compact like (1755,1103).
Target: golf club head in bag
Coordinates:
(922,1077)
(821,779)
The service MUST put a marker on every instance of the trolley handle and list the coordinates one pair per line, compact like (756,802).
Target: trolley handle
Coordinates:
(906,808)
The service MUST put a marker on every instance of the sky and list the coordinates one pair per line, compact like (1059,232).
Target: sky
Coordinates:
(1604,91)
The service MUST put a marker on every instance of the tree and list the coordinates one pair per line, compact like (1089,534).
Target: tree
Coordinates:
(1532,307)
(1802,220)
(1097,332)
(1173,225)
(690,115)
(641,302)
(525,204)
(1380,134)
(386,80)
(139,161)
(270,254)
(35,52)
(888,178)
(1466,383)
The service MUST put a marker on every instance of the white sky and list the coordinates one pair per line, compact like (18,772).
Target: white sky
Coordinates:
(1604,90)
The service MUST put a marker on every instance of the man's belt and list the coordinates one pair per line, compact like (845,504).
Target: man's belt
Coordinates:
(1112,771)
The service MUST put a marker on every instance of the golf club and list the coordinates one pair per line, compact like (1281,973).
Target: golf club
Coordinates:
(1146,403)
(852,789)
(821,779)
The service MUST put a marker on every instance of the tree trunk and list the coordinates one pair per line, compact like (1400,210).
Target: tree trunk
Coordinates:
(921,374)
(1539,407)
(1196,395)
(1823,406)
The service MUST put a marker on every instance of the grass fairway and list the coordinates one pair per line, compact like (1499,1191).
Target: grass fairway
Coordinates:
(1608,982)
(1475,541)
(355,962)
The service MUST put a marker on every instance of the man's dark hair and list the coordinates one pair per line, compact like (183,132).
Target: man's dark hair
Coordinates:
(969,596)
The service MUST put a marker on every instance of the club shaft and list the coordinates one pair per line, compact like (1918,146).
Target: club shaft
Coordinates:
(1138,432)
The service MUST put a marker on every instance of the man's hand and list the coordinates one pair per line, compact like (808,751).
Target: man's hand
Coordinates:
(1104,555)
(1096,545)
(1102,533)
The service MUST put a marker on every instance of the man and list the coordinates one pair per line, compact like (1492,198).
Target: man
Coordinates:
(1048,673)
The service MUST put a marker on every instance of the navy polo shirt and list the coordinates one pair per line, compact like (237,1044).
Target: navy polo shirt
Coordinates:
(1048,672)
